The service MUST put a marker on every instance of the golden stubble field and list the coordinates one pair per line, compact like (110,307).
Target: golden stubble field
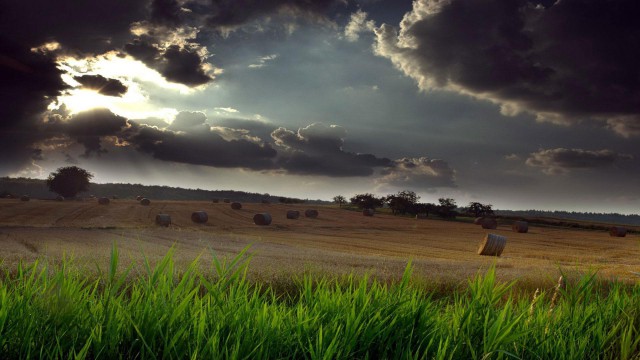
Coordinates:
(337,242)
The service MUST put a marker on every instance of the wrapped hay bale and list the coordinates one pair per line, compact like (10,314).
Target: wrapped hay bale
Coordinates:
(492,245)
(199,217)
(59,198)
(478,221)
(422,216)
(145,202)
(25,198)
(103,201)
(236,206)
(163,220)
(617,231)
(368,212)
(311,213)
(520,226)
(226,201)
(293,214)
(262,219)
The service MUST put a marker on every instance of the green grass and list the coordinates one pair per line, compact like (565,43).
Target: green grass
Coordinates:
(54,311)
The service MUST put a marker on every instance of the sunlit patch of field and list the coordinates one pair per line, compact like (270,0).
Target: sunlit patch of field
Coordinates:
(337,242)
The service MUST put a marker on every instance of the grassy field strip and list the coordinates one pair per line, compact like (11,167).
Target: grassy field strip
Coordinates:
(54,311)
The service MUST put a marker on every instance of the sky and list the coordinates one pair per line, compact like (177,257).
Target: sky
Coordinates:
(522,104)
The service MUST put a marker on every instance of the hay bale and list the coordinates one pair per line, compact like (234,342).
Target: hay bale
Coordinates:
(145,202)
(236,206)
(199,217)
(492,245)
(215,201)
(520,226)
(422,216)
(139,197)
(59,198)
(103,201)
(25,198)
(478,221)
(293,214)
(489,223)
(311,213)
(618,231)
(163,220)
(226,201)
(262,219)
(368,212)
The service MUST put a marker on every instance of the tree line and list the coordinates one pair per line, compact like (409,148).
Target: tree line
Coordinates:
(407,202)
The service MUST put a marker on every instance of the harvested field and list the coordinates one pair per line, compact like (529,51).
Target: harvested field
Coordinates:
(338,241)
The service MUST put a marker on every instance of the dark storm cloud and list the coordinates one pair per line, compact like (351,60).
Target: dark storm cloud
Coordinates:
(30,80)
(84,26)
(317,150)
(559,161)
(203,148)
(418,173)
(89,127)
(176,63)
(104,86)
(230,13)
(563,61)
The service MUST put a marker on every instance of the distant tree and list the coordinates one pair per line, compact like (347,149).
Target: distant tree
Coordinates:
(477,209)
(366,201)
(69,181)
(339,199)
(402,202)
(447,207)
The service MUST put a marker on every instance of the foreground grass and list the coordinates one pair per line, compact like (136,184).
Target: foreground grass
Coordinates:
(56,312)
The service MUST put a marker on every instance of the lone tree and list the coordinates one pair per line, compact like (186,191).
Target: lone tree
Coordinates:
(69,181)
(339,199)
(477,209)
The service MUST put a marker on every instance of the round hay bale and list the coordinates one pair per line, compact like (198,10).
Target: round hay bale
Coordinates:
(103,201)
(199,217)
(520,226)
(489,223)
(139,197)
(226,201)
(59,198)
(236,206)
(618,231)
(215,201)
(145,202)
(293,214)
(311,213)
(25,198)
(368,212)
(478,221)
(492,245)
(262,219)
(422,216)
(163,220)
